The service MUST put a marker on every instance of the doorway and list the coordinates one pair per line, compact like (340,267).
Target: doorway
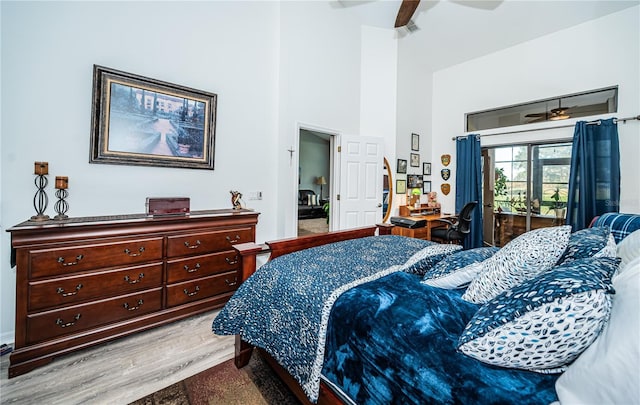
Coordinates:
(314,181)
(525,188)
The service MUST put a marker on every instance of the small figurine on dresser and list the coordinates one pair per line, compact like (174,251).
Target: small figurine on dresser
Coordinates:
(236,199)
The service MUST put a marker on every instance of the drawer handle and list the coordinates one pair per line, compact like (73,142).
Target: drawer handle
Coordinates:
(128,252)
(62,324)
(232,261)
(194,269)
(60,291)
(130,281)
(231,283)
(236,240)
(126,305)
(190,246)
(78,258)
(191,294)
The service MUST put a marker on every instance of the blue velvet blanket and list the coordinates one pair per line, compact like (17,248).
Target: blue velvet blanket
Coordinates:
(284,307)
(393,341)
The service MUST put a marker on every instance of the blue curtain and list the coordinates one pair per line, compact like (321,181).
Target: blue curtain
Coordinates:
(469,184)
(594,180)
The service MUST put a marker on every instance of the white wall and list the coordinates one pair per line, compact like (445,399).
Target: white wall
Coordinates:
(48,51)
(274,66)
(592,55)
(323,52)
(414,111)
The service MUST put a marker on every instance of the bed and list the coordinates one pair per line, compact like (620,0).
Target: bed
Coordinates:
(353,317)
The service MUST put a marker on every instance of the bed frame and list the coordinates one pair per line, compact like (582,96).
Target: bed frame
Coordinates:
(247,253)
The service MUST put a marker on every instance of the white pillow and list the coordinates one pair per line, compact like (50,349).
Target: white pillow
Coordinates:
(521,259)
(608,371)
(629,248)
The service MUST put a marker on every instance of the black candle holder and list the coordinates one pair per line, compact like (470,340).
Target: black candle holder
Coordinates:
(61,206)
(40,200)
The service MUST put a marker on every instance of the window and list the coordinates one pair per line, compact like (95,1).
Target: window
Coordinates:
(601,101)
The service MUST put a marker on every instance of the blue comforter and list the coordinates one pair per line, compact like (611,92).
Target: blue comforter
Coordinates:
(393,341)
(284,307)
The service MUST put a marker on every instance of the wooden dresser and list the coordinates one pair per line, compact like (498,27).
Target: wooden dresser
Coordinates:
(84,281)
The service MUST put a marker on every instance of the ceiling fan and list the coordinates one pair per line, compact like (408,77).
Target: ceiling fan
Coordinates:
(407,8)
(560,113)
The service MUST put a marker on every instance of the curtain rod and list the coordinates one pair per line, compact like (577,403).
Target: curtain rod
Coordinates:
(596,122)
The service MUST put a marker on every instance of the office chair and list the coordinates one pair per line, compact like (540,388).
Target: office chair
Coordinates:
(458,229)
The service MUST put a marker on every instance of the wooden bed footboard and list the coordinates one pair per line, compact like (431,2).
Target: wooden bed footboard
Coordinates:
(248,252)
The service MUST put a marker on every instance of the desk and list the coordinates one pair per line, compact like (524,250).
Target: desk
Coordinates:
(433,221)
(509,225)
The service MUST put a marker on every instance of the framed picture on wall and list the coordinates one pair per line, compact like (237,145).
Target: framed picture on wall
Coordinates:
(414,180)
(402,166)
(426,187)
(426,169)
(401,186)
(147,122)
(415,142)
(415,160)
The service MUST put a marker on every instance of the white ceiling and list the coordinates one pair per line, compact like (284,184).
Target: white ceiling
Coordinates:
(454,31)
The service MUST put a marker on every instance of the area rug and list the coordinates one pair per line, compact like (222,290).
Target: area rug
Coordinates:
(256,383)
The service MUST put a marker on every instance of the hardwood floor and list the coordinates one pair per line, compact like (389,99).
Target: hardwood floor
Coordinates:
(123,370)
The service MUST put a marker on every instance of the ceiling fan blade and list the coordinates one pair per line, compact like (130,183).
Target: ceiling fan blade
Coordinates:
(535,115)
(407,8)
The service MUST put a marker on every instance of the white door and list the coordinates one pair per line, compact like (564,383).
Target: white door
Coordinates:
(361,160)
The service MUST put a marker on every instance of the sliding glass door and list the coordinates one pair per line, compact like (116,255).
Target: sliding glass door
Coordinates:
(525,188)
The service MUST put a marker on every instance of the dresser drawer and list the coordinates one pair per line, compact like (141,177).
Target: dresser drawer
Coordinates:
(59,261)
(207,242)
(200,266)
(65,321)
(205,287)
(72,289)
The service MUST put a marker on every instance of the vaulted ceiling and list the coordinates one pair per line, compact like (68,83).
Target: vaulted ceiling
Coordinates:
(453,31)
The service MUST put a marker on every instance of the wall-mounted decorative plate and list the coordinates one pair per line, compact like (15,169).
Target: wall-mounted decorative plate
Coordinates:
(445,159)
(446,188)
(445,173)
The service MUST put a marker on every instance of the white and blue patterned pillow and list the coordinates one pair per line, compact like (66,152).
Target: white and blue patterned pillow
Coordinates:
(426,258)
(457,270)
(545,323)
(590,242)
(521,259)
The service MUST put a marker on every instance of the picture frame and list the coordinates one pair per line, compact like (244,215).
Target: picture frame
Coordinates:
(426,169)
(401,186)
(415,142)
(401,166)
(415,160)
(414,180)
(141,121)
(426,187)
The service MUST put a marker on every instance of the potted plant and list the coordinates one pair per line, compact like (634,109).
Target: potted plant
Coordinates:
(325,208)
(558,206)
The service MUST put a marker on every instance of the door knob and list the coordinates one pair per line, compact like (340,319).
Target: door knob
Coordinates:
(379,205)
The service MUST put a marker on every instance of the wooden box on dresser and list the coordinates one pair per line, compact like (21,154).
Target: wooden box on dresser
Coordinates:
(84,281)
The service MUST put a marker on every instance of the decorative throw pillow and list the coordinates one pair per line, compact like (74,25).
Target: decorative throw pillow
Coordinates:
(424,259)
(457,270)
(544,324)
(521,259)
(590,242)
(629,249)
